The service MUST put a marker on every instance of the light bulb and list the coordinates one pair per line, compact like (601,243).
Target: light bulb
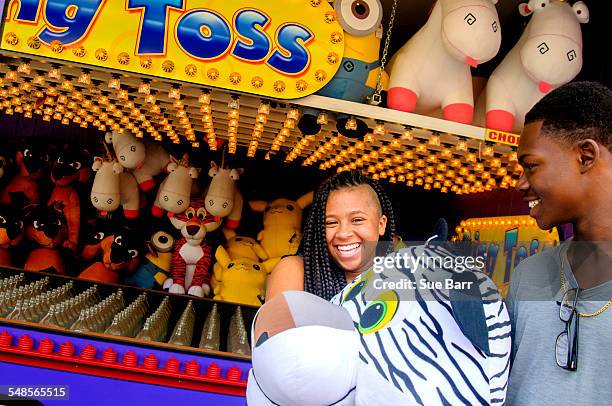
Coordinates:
(351,124)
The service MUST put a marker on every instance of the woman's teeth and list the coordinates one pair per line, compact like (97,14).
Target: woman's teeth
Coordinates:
(534,203)
(348,248)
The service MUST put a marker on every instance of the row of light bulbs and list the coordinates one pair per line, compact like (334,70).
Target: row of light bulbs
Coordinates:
(122,95)
(495,222)
(392,167)
(263,111)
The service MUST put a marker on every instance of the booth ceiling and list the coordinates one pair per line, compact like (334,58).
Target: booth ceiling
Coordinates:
(400,147)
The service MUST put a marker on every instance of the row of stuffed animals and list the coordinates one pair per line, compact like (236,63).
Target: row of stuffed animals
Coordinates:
(183,245)
(431,73)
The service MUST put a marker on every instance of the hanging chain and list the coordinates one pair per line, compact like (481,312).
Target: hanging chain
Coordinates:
(376,98)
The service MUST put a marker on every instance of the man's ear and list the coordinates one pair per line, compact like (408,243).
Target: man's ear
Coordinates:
(589,153)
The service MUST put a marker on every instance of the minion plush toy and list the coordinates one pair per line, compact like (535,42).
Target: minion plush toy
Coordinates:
(359,69)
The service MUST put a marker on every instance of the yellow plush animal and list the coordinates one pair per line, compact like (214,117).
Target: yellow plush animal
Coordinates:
(239,246)
(282,231)
(239,280)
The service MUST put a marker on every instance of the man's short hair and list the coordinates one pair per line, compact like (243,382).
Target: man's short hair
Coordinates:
(576,111)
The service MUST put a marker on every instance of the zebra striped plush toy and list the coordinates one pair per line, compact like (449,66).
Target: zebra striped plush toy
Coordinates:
(433,338)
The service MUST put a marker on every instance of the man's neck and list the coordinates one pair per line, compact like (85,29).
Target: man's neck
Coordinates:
(596,224)
(591,262)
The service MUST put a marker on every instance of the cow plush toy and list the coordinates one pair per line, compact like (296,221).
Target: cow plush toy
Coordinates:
(548,55)
(144,159)
(174,192)
(432,70)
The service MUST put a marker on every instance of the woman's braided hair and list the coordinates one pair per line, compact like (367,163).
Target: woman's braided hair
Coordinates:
(322,276)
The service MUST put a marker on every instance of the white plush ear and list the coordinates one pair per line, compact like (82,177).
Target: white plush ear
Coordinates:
(97,164)
(117,168)
(172,166)
(537,5)
(108,138)
(234,174)
(193,173)
(214,169)
(524,9)
(582,12)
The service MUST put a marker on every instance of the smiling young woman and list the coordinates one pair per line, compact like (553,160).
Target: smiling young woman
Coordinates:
(350,214)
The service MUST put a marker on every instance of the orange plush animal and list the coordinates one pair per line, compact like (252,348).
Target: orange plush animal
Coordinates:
(70,166)
(46,226)
(23,189)
(11,233)
(119,252)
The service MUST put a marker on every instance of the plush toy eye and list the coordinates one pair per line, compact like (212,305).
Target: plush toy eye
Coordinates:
(290,207)
(2,220)
(119,240)
(581,11)
(190,212)
(133,253)
(355,290)
(37,224)
(45,158)
(224,205)
(202,214)
(133,148)
(76,165)
(57,222)
(99,236)
(537,5)
(60,160)
(379,312)
(27,152)
(257,267)
(20,224)
(231,264)
(162,240)
(359,17)
(238,239)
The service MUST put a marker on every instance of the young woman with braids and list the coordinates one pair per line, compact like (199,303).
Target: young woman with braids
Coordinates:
(349,215)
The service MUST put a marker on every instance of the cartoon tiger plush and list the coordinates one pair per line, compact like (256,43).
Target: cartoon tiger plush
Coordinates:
(192,255)
(427,344)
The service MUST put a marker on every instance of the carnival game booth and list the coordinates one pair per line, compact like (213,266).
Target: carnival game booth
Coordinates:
(155,91)
(504,242)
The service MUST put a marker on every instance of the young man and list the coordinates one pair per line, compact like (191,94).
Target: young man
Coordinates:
(561,300)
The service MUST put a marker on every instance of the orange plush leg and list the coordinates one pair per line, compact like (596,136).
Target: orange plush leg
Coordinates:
(99,273)
(45,259)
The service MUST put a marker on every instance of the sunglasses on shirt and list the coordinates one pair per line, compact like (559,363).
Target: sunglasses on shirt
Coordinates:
(566,347)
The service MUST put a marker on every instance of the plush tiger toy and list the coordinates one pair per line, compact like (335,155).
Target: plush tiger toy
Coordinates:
(192,254)
(422,341)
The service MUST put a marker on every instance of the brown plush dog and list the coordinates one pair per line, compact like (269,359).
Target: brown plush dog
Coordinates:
(11,233)
(119,253)
(46,226)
